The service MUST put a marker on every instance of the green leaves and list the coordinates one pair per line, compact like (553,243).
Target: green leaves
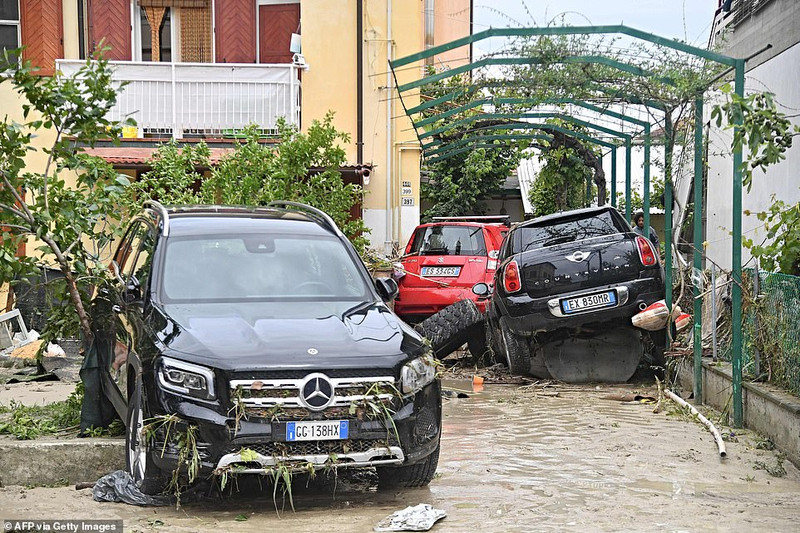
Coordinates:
(780,250)
(758,127)
(69,219)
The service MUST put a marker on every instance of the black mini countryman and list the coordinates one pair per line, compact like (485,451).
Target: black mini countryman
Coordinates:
(261,332)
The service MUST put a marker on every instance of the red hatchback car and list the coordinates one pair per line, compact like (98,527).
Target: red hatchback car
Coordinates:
(443,260)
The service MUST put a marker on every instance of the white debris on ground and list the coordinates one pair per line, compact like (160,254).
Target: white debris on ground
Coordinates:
(420,517)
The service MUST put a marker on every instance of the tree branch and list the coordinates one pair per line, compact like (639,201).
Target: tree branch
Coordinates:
(27,215)
(47,167)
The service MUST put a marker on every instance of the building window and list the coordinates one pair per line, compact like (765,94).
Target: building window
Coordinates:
(160,38)
(9,26)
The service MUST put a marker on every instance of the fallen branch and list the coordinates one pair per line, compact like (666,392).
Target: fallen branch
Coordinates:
(717,437)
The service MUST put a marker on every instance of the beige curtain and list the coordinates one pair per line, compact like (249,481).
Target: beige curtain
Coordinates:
(154,17)
(196,35)
(175,3)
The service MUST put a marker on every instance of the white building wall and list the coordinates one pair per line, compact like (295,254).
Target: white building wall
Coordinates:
(779,75)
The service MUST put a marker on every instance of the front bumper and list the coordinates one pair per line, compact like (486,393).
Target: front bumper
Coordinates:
(256,444)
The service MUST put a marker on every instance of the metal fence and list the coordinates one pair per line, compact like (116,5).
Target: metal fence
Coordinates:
(202,98)
(771,329)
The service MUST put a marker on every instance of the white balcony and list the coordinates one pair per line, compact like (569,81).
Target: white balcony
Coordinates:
(209,99)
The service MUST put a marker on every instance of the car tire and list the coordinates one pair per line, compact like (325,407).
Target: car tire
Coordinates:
(516,350)
(147,477)
(416,475)
(451,327)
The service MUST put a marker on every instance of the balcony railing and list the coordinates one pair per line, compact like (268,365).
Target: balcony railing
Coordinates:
(209,99)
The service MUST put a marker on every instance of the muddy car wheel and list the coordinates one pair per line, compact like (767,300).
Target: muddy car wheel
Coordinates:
(516,351)
(147,477)
(416,475)
(452,326)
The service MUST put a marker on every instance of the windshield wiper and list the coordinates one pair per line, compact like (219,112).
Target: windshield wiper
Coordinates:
(357,308)
(559,240)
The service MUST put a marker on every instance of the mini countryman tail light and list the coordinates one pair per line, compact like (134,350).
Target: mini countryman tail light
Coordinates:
(646,253)
(511,281)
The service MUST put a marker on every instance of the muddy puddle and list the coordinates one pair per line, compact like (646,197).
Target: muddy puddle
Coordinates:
(538,458)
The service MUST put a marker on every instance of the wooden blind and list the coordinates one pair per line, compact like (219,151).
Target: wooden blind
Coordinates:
(41,25)
(235,31)
(110,22)
(276,25)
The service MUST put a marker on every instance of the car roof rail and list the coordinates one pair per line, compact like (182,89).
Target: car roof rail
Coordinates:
(318,214)
(162,212)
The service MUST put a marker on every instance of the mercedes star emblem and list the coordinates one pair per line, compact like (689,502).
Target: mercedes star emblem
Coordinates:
(316,392)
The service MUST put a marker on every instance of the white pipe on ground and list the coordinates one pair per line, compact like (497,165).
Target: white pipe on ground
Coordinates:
(717,437)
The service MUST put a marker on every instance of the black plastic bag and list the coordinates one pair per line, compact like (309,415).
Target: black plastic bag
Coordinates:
(118,486)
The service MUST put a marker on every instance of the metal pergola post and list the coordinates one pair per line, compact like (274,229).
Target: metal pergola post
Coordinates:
(668,131)
(736,293)
(697,263)
(628,180)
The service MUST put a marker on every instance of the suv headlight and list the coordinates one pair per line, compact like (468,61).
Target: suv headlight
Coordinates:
(417,374)
(185,378)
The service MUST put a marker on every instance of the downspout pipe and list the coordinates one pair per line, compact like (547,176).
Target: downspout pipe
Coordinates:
(360,82)
(389,159)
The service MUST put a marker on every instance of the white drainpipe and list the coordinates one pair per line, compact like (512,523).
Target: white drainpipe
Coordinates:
(389,159)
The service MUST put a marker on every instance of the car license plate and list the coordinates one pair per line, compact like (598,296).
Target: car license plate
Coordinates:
(590,301)
(323,430)
(444,272)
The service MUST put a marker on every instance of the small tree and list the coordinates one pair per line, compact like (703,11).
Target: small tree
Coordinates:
(460,185)
(561,183)
(300,167)
(73,223)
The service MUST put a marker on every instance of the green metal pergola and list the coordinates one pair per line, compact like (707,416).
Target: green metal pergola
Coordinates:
(431,126)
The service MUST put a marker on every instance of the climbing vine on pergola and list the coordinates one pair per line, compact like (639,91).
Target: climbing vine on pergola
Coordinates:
(617,82)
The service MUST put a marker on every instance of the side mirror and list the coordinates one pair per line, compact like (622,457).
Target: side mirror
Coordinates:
(132,292)
(387,288)
(481,289)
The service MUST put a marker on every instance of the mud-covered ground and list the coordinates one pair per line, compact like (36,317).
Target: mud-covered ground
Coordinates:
(537,458)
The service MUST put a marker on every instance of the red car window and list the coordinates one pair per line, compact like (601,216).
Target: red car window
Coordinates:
(449,240)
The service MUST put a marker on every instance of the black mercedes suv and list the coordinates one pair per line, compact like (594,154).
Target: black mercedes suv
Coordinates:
(260,332)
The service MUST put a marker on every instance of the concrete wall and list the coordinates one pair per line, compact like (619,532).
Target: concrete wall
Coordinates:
(776,23)
(780,76)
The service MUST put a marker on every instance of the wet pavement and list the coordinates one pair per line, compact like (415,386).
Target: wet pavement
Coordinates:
(536,458)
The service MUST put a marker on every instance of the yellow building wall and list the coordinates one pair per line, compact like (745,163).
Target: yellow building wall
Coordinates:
(451,22)
(329,46)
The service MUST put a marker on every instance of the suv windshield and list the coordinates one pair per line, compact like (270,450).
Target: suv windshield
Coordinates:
(563,231)
(260,267)
(449,240)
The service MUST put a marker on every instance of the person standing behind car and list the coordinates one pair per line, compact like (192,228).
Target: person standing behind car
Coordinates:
(638,227)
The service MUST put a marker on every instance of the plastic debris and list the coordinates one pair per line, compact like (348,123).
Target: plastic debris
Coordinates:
(420,517)
(118,486)
(683,320)
(54,350)
(653,317)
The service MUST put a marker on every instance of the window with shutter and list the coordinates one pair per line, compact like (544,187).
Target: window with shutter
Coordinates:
(110,22)
(276,24)
(42,30)
(235,31)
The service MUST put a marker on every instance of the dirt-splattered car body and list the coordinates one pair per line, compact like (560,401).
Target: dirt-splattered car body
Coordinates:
(258,337)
